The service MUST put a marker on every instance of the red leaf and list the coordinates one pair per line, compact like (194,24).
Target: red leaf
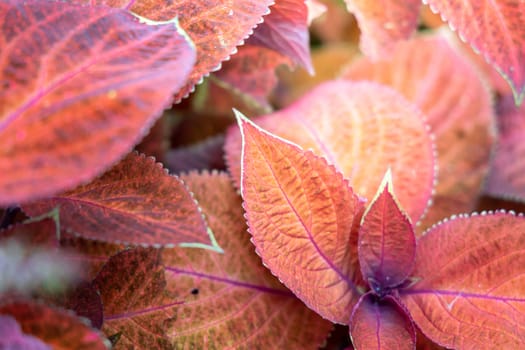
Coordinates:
(215,27)
(232,299)
(470,292)
(428,72)
(11,336)
(496,29)
(79,86)
(381,324)
(384,23)
(361,128)
(507,167)
(86,302)
(285,30)
(132,287)
(252,72)
(387,244)
(303,217)
(58,329)
(135,202)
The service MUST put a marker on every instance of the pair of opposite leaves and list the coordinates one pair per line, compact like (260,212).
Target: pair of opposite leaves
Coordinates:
(462,284)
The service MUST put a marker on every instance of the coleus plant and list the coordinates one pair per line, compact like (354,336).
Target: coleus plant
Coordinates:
(82,82)
(461,283)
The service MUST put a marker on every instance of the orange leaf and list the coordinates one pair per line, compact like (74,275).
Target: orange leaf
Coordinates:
(470,289)
(232,300)
(384,23)
(135,202)
(303,217)
(428,72)
(56,328)
(496,29)
(79,86)
(363,129)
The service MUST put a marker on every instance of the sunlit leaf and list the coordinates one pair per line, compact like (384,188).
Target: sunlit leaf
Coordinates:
(387,244)
(496,29)
(470,282)
(507,167)
(384,23)
(134,202)
(79,86)
(427,71)
(362,129)
(381,324)
(56,328)
(303,217)
(285,30)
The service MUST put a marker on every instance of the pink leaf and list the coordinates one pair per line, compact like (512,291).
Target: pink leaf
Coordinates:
(303,217)
(507,167)
(12,337)
(79,86)
(387,244)
(285,30)
(430,73)
(135,202)
(384,23)
(470,289)
(494,28)
(362,129)
(381,324)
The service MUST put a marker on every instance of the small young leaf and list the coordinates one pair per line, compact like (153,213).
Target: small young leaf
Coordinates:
(470,292)
(285,30)
(431,74)
(135,202)
(303,217)
(496,29)
(507,167)
(56,328)
(362,129)
(387,243)
(79,86)
(381,324)
(383,23)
